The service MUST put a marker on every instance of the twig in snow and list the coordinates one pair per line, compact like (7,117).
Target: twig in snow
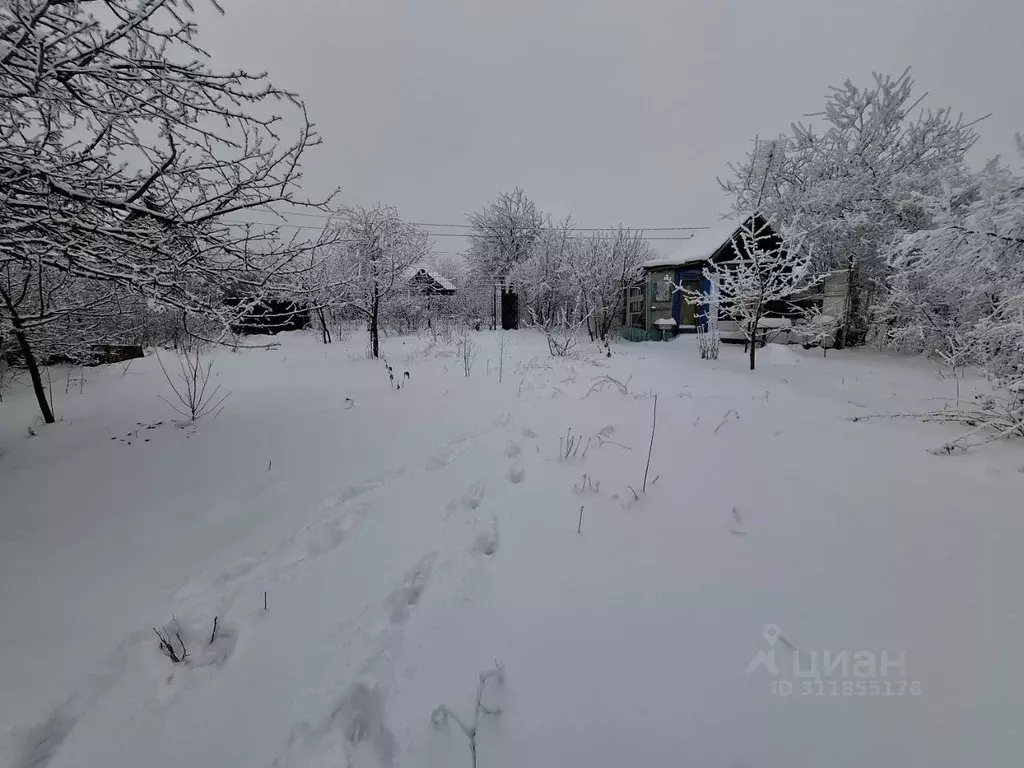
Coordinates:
(165,646)
(601,442)
(600,383)
(579,525)
(184,650)
(270,464)
(634,492)
(264,600)
(725,418)
(650,448)
(213,634)
(737,530)
(570,446)
(443,713)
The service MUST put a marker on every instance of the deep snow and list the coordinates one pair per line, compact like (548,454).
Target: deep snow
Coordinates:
(408,539)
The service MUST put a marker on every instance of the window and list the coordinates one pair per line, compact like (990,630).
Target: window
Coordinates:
(663,289)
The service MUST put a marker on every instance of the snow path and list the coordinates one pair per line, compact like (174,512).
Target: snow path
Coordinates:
(407,542)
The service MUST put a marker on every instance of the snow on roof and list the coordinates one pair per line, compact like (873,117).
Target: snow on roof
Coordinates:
(445,283)
(700,246)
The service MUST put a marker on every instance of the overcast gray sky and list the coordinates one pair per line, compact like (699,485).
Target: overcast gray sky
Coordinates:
(611,110)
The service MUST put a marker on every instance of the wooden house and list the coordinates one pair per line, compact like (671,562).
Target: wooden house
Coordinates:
(655,310)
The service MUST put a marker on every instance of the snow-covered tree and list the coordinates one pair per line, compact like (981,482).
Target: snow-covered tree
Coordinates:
(368,265)
(765,268)
(859,183)
(548,283)
(123,158)
(957,288)
(544,276)
(503,235)
(604,264)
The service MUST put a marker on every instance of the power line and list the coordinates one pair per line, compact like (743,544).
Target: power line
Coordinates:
(431,234)
(470,226)
(575,229)
(467,235)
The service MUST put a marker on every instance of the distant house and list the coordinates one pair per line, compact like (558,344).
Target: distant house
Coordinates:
(268,316)
(427,282)
(654,308)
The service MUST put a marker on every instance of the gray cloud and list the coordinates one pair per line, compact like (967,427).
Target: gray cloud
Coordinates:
(613,111)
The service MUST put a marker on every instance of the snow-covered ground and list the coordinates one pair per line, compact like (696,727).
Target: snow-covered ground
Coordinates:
(407,539)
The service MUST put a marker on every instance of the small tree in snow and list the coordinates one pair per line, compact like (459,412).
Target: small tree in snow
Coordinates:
(765,268)
(192,386)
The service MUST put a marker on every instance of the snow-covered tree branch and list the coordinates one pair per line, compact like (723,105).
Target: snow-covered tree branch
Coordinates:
(125,160)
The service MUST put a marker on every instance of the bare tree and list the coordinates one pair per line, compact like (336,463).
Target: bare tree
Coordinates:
(123,158)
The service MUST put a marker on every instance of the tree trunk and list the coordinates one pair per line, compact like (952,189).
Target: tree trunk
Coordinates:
(753,337)
(374,326)
(30,359)
(325,332)
(33,370)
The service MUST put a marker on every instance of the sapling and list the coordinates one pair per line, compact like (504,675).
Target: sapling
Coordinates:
(650,448)
(191,386)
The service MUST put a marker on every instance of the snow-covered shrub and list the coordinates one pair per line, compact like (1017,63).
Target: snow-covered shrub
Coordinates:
(957,293)
(816,330)
(562,330)
(708,342)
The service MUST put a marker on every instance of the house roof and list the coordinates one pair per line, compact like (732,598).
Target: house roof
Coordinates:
(700,246)
(442,282)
